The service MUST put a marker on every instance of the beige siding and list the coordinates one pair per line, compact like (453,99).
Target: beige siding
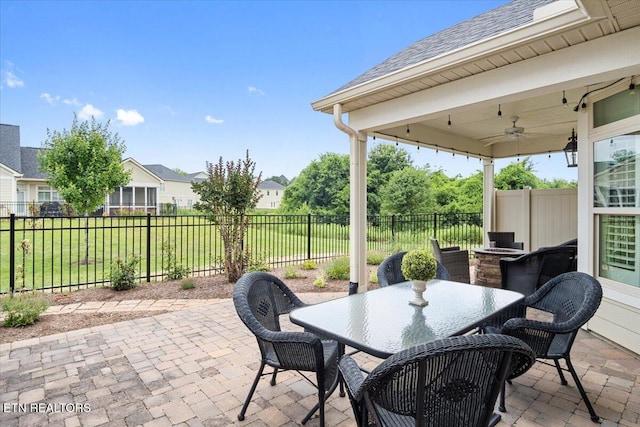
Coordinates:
(618,322)
(140,177)
(7,186)
(179,193)
(538,217)
(271,200)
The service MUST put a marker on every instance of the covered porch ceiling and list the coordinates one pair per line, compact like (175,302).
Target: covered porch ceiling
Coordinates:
(569,49)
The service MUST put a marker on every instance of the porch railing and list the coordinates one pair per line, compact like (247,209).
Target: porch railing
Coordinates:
(49,253)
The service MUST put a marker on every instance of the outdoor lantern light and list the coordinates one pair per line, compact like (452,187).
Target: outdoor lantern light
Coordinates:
(571,150)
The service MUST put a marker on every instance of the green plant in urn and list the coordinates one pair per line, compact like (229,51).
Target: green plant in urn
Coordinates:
(419,266)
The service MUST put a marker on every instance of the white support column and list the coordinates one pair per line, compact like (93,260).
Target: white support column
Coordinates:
(488,200)
(358,212)
(357,203)
(362,276)
(587,239)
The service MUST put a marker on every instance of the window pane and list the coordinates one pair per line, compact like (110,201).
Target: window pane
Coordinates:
(139,196)
(151,196)
(619,254)
(616,107)
(114,198)
(44,195)
(127,196)
(617,171)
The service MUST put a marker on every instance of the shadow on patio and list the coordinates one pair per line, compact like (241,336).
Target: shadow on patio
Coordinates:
(194,367)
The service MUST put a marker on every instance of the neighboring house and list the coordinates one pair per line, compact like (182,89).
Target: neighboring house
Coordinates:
(176,188)
(151,187)
(554,66)
(271,193)
(140,194)
(20,179)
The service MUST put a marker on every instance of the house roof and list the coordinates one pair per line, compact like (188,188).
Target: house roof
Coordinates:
(270,185)
(518,61)
(512,33)
(167,174)
(30,163)
(484,26)
(10,147)
(197,176)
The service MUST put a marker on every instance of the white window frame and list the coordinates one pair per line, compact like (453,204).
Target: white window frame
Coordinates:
(49,190)
(621,292)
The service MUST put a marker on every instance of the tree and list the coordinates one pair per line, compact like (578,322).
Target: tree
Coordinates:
(180,171)
(407,192)
(322,187)
(84,164)
(516,176)
(228,194)
(384,159)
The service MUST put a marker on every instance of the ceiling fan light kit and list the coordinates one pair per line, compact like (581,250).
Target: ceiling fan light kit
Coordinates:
(514,131)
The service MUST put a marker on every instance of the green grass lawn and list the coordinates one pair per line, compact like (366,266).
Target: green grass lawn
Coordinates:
(50,252)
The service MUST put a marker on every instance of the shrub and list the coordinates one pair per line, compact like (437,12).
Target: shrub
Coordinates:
(291,273)
(320,281)
(258,263)
(338,269)
(188,283)
(418,265)
(123,273)
(23,308)
(174,270)
(375,258)
(373,276)
(308,265)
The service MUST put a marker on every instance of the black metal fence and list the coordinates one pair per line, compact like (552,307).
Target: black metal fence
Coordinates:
(58,253)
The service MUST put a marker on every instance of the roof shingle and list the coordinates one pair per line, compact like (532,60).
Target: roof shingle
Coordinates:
(486,25)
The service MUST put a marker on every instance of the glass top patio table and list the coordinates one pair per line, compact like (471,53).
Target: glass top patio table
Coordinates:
(381,322)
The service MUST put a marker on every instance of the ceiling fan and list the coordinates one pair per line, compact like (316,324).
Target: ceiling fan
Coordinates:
(510,133)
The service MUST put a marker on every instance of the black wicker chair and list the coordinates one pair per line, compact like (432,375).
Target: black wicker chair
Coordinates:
(528,272)
(389,272)
(450,382)
(572,299)
(455,260)
(259,299)
(505,239)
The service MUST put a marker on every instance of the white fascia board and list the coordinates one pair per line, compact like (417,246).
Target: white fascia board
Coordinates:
(141,168)
(604,59)
(566,19)
(15,173)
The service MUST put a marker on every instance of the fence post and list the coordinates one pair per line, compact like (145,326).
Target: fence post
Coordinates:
(308,236)
(148,247)
(12,253)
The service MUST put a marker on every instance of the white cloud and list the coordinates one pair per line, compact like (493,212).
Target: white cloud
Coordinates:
(50,99)
(89,111)
(73,101)
(215,121)
(130,117)
(254,90)
(12,80)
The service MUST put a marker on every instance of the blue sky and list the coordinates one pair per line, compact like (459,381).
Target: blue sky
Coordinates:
(187,82)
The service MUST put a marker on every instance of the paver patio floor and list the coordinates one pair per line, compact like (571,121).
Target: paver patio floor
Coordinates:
(194,366)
